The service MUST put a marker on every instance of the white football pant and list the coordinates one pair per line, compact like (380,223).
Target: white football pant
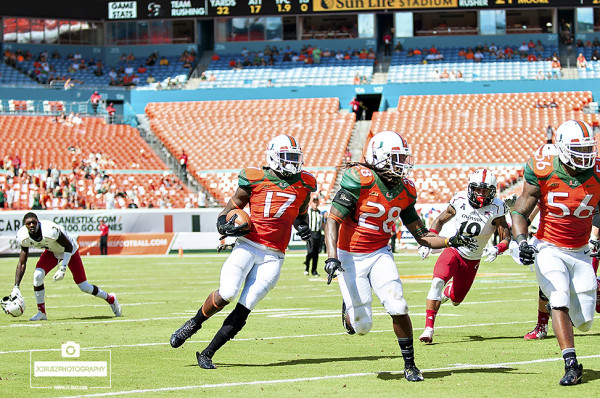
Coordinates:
(364,271)
(256,268)
(567,278)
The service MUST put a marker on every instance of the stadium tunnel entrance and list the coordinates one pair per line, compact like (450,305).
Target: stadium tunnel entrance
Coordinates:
(371,103)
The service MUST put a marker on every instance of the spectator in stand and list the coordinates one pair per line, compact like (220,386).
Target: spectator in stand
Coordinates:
(130,57)
(110,109)
(596,42)
(387,44)
(95,100)
(556,69)
(508,52)
(523,48)
(103,238)
(595,56)
(531,57)
(478,56)
(549,134)
(77,120)
(539,47)
(581,62)
(151,60)
(357,107)
(183,161)
(163,61)
(142,69)
(579,43)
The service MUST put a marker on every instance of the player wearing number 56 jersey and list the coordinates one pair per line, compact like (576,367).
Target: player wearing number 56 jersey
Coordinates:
(566,188)
(278,196)
(372,196)
(478,213)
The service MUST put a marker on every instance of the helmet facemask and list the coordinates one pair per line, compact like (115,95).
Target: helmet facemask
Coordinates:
(578,154)
(481,194)
(284,156)
(398,162)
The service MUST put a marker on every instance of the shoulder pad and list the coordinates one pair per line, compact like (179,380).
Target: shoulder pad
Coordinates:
(253,173)
(459,196)
(410,187)
(22,235)
(541,165)
(363,174)
(546,150)
(502,208)
(309,179)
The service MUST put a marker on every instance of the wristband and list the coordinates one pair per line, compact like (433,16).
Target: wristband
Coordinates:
(66,259)
(502,246)
(446,242)
(521,238)
(434,231)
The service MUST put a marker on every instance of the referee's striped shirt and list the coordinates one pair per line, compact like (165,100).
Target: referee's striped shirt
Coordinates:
(315,220)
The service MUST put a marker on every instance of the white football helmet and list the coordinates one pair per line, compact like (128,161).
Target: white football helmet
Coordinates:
(389,150)
(482,188)
(576,144)
(284,155)
(13,305)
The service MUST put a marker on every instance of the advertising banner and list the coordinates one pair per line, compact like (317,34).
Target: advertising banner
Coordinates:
(127,244)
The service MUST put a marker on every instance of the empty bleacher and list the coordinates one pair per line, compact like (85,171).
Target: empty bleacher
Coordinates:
(451,135)
(222,137)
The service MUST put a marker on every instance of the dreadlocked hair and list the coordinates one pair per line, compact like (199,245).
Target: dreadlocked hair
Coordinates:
(387,176)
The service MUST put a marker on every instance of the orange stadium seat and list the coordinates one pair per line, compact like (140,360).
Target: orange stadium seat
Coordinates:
(453,134)
(221,136)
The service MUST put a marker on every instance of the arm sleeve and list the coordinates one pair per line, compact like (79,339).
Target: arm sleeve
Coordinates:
(409,215)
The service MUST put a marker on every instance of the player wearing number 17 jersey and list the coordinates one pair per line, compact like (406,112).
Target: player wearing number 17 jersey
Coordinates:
(371,197)
(278,196)
(567,189)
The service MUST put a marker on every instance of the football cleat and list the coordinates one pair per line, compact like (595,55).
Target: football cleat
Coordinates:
(412,373)
(187,330)
(572,375)
(427,335)
(204,361)
(305,272)
(538,333)
(345,323)
(315,274)
(40,316)
(598,296)
(115,306)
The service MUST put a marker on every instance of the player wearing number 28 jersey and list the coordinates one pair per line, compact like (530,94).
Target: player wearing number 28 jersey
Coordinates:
(566,188)
(278,196)
(372,196)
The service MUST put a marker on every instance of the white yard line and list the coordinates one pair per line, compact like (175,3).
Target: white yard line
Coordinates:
(329,377)
(262,338)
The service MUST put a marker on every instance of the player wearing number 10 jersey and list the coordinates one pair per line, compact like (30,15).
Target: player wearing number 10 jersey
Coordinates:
(278,196)
(567,189)
(372,196)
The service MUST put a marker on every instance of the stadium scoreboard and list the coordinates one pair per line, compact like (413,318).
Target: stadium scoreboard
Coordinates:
(145,9)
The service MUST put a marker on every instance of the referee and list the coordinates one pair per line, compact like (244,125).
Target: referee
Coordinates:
(315,243)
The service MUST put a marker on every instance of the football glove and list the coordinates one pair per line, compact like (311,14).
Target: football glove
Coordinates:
(60,274)
(490,253)
(228,228)
(424,252)
(332,267)
(594,248)
(526,253)
(16,292)
(459,240)
(303,231)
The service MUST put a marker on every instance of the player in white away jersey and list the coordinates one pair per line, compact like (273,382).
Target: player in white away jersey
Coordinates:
(59,247)
(477,213)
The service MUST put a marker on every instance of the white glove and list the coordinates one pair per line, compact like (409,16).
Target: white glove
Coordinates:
(60,274)
(16,292)
(490,252)
(424,251)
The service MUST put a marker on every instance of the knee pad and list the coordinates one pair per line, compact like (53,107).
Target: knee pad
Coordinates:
(559,299)
(228,293)
(435,293)
(38,277)
(542,295)
(235,321)
(86,287)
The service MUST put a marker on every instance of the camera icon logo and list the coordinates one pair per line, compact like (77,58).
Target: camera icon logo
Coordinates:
(70,350)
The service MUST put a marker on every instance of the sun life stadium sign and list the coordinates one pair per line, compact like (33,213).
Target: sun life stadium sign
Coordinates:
(122,10)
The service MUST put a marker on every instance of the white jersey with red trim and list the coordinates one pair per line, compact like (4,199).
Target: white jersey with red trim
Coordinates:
(477,223)
(50,233)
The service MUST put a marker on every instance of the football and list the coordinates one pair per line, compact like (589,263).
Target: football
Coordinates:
(242,217)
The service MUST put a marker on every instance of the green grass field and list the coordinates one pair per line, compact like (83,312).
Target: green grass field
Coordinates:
(293,343)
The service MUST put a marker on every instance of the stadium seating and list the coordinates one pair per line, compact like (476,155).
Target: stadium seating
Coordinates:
(329,72)
(410,69)
(450,135)
(221,137)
